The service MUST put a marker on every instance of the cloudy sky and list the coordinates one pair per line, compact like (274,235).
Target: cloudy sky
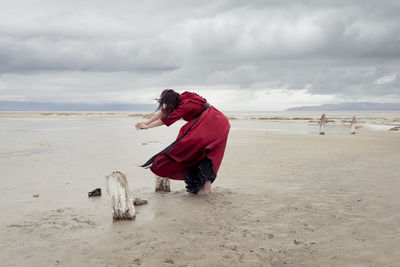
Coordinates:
(240,55)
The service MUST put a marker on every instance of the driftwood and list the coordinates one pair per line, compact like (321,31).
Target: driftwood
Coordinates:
(353,125)
(322,125)
(162,184)
(120,196)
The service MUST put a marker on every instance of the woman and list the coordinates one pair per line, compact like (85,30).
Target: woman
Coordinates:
(197,153)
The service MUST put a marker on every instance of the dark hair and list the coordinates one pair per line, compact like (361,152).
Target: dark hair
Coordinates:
(168,101)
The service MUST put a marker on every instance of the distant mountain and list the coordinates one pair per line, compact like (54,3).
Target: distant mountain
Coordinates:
(42,106)
(350,106)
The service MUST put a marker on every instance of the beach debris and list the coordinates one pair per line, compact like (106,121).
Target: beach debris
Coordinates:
(95,192)
(297,242)
(232,246)
(139,201)
(162,184)
(120,196)
(137,261)
(396,128)
(353,125)
(169,261)
(35,195)
(322,124)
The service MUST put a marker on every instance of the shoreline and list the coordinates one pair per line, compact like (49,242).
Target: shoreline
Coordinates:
(338,121)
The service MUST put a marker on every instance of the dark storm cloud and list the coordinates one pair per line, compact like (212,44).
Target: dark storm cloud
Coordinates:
(347,48)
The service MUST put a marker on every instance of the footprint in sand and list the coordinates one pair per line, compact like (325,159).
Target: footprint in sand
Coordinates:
(48,223)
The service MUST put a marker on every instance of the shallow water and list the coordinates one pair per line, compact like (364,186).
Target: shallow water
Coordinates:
(286,127)
(307,122)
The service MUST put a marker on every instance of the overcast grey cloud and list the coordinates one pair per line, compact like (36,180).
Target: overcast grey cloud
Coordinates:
(241,54)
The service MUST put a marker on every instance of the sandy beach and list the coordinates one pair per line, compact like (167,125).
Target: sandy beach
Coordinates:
(280,199)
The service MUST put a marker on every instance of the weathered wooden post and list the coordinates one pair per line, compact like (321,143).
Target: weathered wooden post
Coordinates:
(322,124)
(162,184)
(353,125)
(120,196)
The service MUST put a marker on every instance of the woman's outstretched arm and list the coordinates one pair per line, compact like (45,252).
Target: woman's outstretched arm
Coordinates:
(152,122)
(155,117)
(143,125)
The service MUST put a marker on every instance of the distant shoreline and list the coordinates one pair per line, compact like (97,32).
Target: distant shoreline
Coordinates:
(70,107)
(351,106)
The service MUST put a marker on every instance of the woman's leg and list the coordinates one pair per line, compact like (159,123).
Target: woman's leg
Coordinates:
(199,177)
(206,189)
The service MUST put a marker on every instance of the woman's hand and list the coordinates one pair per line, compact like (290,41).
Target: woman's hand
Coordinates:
(145,125)
(141,126)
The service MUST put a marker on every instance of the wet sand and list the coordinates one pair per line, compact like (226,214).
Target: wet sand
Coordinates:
(279,199)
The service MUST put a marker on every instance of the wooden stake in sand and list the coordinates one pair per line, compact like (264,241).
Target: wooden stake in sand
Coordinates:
(120,196)
(162,184)
(353,125)
(322,124)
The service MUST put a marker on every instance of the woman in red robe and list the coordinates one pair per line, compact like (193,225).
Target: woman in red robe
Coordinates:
(196,154)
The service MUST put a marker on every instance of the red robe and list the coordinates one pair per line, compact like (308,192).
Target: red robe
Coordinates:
(207,138)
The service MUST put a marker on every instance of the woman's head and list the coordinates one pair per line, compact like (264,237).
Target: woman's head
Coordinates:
(168,101)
